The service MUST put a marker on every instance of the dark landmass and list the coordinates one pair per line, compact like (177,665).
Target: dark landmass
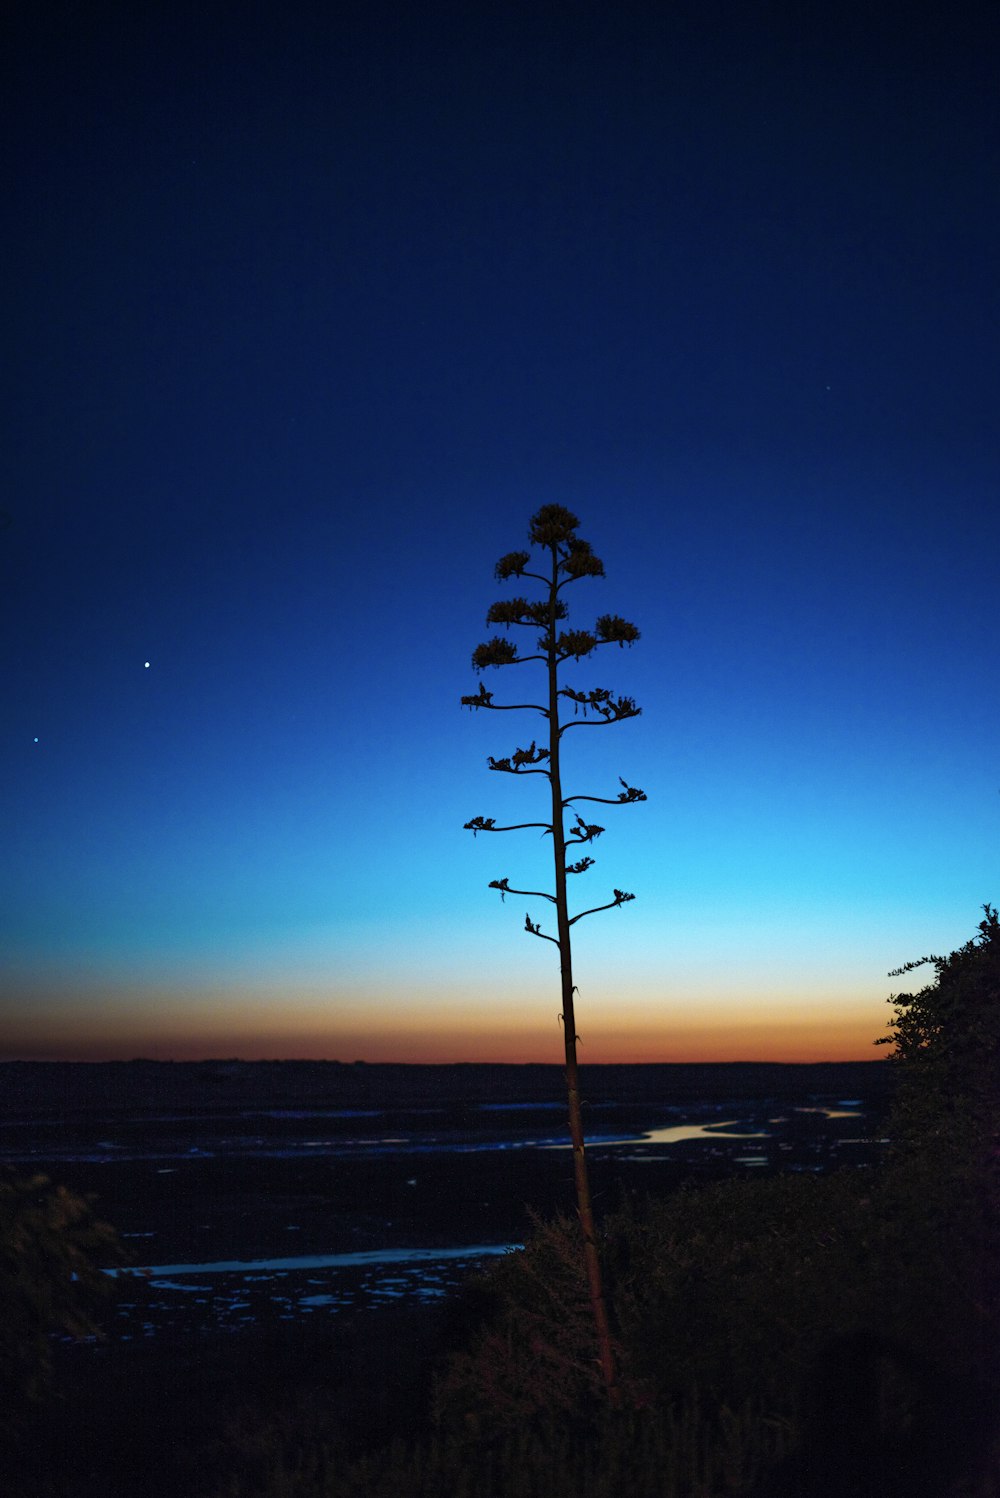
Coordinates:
(201,1162)
(135,1086)
(210,1161)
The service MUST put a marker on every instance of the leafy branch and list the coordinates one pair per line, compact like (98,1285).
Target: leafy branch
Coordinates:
(585,832)
(625,797)
(621,898)
(609,709)
(488,824)
(499,652)
(483,698)
(505,889)
(515,764)
(519,611)
(536,930)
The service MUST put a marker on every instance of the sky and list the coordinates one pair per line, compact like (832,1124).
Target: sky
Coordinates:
(307,309)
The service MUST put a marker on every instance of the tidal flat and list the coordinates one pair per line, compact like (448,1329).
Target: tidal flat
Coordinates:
(303,1230)
(249,1192)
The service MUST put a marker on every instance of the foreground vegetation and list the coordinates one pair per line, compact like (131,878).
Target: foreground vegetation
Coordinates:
(785,1338)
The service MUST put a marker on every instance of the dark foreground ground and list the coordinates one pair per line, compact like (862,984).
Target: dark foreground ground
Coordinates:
(176,1419)
(212,1162)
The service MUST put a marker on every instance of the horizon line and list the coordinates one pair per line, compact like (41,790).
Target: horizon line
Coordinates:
(140,1060)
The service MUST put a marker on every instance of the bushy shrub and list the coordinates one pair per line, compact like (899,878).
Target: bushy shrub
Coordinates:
(691,1452)
(725,1289)
(51,1250)
(532,1347)
(728,1288)
(946,1052)
(941,1191)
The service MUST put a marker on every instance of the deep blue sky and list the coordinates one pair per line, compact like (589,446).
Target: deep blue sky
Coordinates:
(307,309)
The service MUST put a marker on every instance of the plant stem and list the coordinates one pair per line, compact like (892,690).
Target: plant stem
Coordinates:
(595,1282)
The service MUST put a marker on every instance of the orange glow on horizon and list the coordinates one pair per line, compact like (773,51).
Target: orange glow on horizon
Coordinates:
(761,1042)
(519,1027)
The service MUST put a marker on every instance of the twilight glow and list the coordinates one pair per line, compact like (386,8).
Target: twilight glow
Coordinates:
(303,336)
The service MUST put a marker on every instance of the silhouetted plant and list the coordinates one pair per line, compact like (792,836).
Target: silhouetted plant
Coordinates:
(569,559)
(946,1040)
(528,1348)
(50,1248)
(943,1183)
(724,1289)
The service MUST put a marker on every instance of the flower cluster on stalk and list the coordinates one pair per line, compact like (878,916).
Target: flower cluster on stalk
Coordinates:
(553,528)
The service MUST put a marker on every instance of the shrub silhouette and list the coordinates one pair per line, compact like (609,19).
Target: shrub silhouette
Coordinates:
(51,1247)
(946,1040)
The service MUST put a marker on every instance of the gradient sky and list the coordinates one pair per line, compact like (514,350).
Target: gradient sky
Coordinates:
(308,307)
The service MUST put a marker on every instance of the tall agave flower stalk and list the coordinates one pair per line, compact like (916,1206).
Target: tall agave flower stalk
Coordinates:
(566,560)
